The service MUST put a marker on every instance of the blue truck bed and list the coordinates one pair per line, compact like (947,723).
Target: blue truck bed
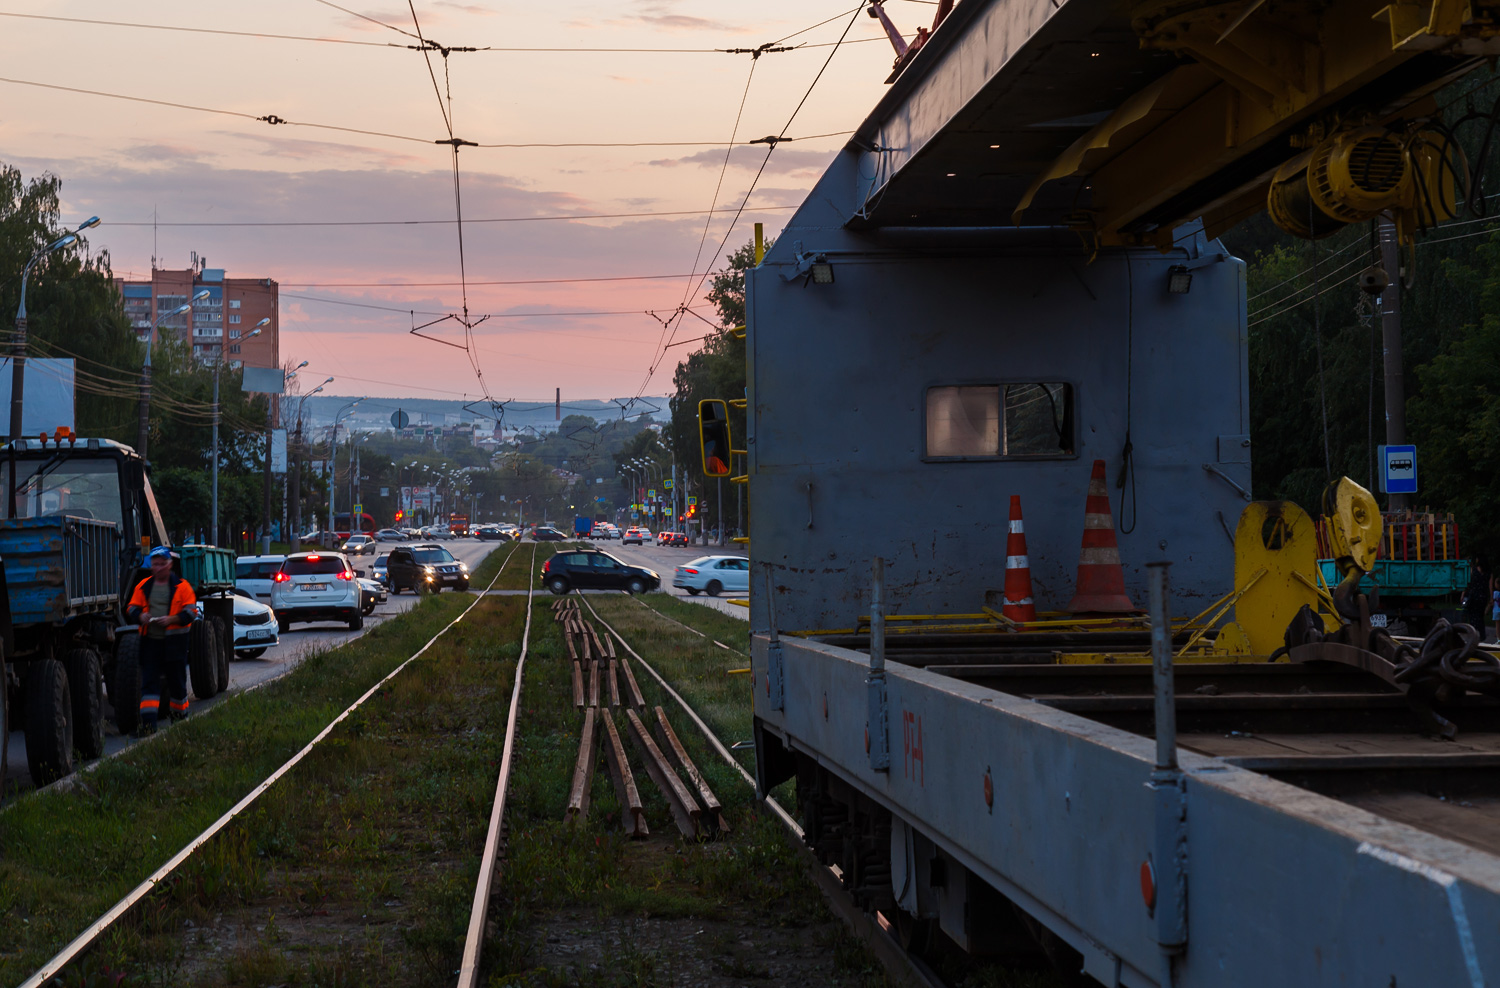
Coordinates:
(59,567)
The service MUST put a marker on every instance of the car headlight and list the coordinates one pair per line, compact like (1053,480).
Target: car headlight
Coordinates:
(463,567)
(428,570)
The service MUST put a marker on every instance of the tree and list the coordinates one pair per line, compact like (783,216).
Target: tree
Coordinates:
(717,370)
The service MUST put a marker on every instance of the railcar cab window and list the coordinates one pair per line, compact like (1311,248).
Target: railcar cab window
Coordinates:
(1020,420)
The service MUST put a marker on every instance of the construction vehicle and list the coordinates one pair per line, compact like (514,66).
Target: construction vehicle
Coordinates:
(1419,575)
(82,517)
(1010,271)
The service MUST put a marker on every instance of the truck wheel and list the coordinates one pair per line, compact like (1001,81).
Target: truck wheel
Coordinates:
(225,639)
(203,664)
(86,688)
(49,722)
(125,692)
(714,588)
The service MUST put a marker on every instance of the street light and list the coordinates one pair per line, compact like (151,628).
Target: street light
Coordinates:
(296,482)
(218,363)
(145,424)
(18,347)
(333,474)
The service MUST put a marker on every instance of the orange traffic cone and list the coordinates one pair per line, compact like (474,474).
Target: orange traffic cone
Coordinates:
(1101,578)
(1018,606)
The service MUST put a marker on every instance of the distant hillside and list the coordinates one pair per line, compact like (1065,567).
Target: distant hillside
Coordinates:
(375,413)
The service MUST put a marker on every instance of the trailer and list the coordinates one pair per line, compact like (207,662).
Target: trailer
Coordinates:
(82,517)
(1009,273)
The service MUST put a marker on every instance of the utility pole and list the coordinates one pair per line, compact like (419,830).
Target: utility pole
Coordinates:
(1390,341)
(294,493)
(213,528)
(265,530)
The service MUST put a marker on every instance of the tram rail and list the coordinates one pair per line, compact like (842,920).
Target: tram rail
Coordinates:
(81,943)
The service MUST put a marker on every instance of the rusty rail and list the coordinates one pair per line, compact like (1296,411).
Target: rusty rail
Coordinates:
(632,812)
(899,965)
(468,972)
(583,770)
(684,807)
(50,970)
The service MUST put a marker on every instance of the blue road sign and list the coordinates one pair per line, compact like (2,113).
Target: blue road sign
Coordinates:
(400,419)
(1398,469)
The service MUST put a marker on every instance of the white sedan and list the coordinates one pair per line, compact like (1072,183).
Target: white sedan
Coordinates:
(254,626)
(713,575)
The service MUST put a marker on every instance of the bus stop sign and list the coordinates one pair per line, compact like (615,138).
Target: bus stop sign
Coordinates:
(1398,469)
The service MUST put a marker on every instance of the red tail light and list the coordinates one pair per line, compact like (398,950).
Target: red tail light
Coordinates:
(547,566)
(691,572)
(313,557)
(347,574)
(280,577)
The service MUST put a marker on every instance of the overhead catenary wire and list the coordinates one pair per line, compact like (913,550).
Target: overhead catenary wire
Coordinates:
(544,218)
(276,120)
(770,149)
(391,45)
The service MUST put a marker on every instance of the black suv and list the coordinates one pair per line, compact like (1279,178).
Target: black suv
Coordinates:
(424,569)
(547,535)
(590,569)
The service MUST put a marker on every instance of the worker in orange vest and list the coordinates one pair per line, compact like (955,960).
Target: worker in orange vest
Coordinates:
(165,608)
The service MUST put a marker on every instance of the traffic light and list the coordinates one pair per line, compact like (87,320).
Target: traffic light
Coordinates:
(400,515)
(714,438)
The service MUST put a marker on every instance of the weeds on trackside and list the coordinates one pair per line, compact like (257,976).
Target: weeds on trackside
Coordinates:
(358,867)
(698,669)
(482,574)
(66,855)
(583,905)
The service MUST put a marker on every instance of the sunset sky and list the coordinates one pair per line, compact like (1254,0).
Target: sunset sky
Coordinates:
(125,160)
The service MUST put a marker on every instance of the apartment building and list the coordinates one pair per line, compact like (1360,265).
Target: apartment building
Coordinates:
(220,324)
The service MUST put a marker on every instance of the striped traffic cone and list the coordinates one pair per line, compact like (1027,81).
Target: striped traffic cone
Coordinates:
(1018,606)
(1101,578)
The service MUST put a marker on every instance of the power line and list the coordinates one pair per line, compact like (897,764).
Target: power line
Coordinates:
(453,284)
(549,217)
(275,120)
(505,49)
(269,118)
(770,149)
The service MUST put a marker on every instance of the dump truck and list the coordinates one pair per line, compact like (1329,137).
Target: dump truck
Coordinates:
(80,517)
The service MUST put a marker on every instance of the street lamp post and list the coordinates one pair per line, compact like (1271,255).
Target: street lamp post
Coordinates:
(265,517)
(296,484)
(18,346)
(333,474)
(218,364)
(157,323)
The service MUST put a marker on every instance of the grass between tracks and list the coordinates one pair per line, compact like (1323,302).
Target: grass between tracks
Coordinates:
(584,905)
(67,855)
(698,669)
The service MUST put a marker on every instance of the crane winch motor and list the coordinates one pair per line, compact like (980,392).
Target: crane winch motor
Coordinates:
(1357,173)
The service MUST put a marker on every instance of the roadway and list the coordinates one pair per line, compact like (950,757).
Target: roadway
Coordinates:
(244,674)
(664,559)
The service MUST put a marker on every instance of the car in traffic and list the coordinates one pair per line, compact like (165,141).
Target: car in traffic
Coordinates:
(377,568)
(425,569)
(390,535)
(371,592)
(594,569)
(358,545)
(491,533)
(254,626)
(640,536)
(547,535)
(713,575)
(256,575)
(671,538)
(317,586)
